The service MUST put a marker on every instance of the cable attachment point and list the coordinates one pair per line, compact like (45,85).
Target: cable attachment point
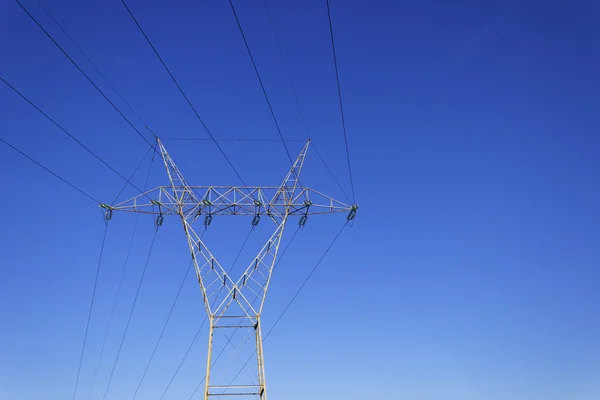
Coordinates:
(159,217)
(304,218)
(108,212)
(256,218)
(352,213)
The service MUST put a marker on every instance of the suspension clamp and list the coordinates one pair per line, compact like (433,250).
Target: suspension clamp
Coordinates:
(108,212)
(303,220)
(352,213)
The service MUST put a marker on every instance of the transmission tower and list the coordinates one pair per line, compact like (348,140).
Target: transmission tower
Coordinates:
(228,301)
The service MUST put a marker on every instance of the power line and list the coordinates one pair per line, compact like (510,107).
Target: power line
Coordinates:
(87,325)
(184,357)
(130,314)
(187,269)
(183,93)
(262,86)
(287,70)
(91,63)
(291,301)
(120,285)
(173,307)
(296,97)
(50,171)
(114,305)
(135,170)
(330,171)
(337,78)
(69,134)
(84,74)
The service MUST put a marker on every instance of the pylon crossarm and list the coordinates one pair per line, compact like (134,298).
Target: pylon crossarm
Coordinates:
(230,200)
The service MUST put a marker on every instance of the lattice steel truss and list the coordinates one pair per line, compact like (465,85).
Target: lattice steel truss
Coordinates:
(219,291)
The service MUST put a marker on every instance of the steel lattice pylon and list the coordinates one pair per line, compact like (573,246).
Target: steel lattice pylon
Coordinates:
(226,300)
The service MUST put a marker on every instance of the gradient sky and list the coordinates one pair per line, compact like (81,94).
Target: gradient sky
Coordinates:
(471,272)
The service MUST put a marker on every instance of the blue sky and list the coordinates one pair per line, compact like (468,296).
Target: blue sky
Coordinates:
(471,270)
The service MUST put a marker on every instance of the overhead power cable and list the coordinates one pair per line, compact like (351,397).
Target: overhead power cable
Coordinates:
(262,86)
(89,317)
(69,134)
(50,171)
(164,327)
(120,285)
(291,301)
(330,171)
(296,97)
(137,292)
(84,74)
(92,64)
(287,70)
(136,169)
(112,313)
(337,79)
(183,93)
(162,331)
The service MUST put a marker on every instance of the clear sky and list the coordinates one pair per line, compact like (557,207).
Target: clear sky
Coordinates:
(471,272)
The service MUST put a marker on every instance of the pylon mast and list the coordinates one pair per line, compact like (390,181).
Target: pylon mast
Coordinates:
(229,303)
